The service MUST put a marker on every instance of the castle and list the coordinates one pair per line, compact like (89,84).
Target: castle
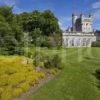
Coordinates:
(81,33)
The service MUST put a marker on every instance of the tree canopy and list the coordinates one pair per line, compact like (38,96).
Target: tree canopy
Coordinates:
(40,27)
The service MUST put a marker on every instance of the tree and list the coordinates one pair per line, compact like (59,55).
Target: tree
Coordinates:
(41,27)
(17,30)
(7,13)
(37,37)
(22,20)
(51,23)
(7,33)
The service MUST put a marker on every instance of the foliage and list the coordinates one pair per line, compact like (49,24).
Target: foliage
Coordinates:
(47,61)
(41,64)
(7,13)
(10,32)
(52,71)
(96,44)
(34,28)
(53,61)
(36,36)
(17,75)
(97,73)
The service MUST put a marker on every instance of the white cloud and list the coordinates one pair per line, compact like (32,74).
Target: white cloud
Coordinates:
(96,5)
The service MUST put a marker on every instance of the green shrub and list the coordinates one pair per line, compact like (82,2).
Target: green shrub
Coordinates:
(97,73)
(53,61)
(41,64)
(52,71)
(96,44)
(48,62)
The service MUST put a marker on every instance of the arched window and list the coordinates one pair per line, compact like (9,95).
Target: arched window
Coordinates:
(78,42)
(72,42)
(84,41)
(88,42)
(67,42)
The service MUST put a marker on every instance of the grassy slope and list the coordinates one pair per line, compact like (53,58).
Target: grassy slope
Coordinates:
(76,81)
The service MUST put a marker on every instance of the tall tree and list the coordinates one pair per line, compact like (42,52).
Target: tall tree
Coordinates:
(7,13)
(51,23)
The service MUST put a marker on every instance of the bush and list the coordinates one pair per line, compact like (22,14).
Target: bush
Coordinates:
(57,62)
(17,92)
(96,44)
(48,62)
(25,86)
(97,73)
(41,64)
(6,94)
(52,71)
(53,61)
(16,77)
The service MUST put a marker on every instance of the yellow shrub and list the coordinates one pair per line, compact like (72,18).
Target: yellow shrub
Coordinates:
(10,70)
(1,90)
(32,79)
(25,86)
(16,77)
(6,94)
(4,80)
(17,92)
(41,75)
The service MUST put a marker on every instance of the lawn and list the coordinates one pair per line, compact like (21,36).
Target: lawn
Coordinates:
(76,81)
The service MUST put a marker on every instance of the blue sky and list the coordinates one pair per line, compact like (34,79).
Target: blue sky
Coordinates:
(61,8)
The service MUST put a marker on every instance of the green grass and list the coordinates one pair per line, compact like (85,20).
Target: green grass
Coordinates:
(76,81)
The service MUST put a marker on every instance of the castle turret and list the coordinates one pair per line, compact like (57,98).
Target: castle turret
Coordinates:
(74,18)
(81,15)
(86,23)
(90,15)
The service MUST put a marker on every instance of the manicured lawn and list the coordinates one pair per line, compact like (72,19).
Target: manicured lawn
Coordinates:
(76,81)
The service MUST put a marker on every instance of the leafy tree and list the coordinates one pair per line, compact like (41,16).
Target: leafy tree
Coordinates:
(36,36)
(22,20)
(7,13)
(17,30)
(41,28)
(51,23)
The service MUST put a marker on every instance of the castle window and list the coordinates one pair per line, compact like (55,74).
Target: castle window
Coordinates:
(86,24)
(84,41)
(66,42)
(72,42)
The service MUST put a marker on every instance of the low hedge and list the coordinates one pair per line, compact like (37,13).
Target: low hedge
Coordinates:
(96,44)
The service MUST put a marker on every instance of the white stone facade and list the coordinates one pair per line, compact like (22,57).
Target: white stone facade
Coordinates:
(80,34)
(78,39)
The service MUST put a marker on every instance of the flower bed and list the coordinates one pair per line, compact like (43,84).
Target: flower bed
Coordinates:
(17,75)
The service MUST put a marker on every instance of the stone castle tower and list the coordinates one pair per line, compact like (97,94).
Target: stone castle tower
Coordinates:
(82,24)
(81,33)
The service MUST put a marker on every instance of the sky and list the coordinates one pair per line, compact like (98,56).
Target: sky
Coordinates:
(62,9)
